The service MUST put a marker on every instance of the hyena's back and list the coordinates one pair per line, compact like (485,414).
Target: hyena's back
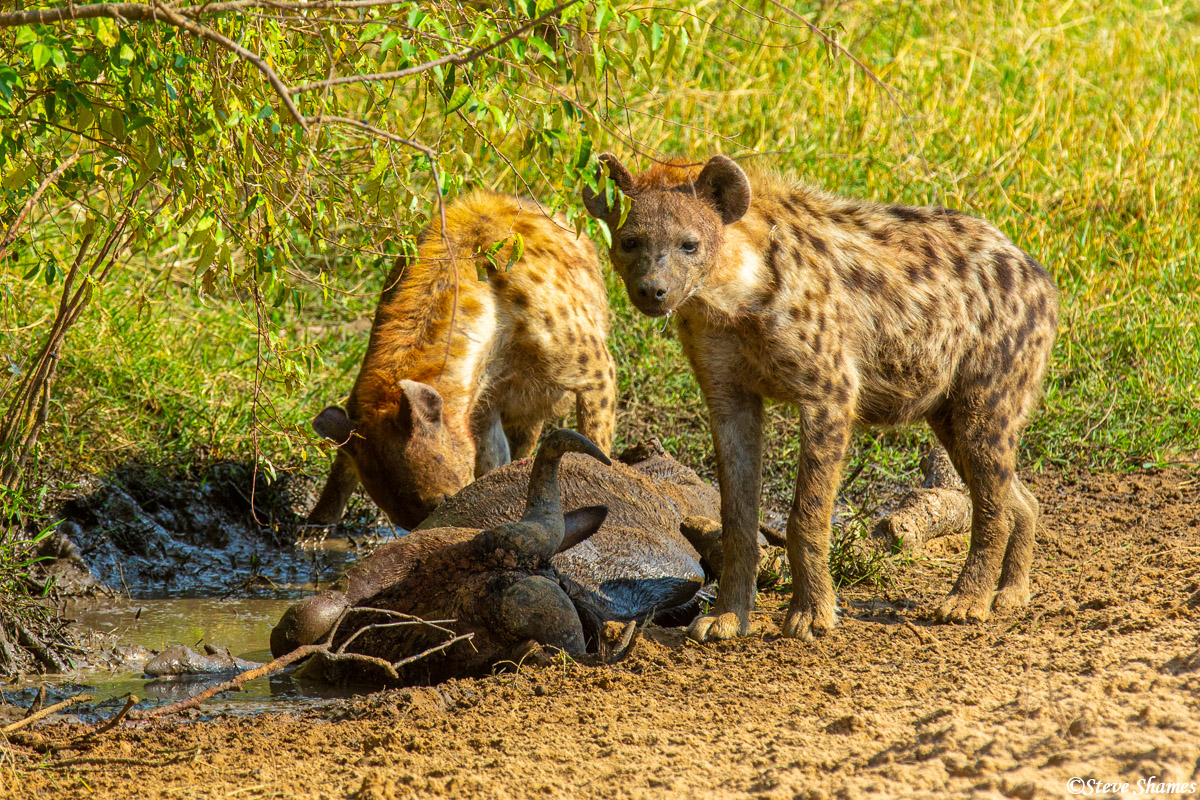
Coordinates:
(900,308)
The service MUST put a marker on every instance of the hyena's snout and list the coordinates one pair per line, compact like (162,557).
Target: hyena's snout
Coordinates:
(653,290)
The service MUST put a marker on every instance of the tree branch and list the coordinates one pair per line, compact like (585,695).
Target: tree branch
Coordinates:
(57,173)
(463,57)
(201,32)
(142,12)
(137,12)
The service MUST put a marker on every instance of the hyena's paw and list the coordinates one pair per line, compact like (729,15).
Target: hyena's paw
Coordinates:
(962,607)
(710,627)
(1011,598)
(805,624)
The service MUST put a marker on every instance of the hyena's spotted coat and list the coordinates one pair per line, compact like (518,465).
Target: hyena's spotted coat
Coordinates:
(856,313)
(426,416)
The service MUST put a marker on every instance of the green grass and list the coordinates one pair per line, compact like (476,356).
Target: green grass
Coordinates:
(1072,126)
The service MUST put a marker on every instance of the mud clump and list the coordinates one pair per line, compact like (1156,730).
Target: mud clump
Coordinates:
(155,535)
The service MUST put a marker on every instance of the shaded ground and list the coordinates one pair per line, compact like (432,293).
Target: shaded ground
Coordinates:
(1100,678)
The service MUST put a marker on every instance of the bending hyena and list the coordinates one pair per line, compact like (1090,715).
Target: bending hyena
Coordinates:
(426,415)
(855,313)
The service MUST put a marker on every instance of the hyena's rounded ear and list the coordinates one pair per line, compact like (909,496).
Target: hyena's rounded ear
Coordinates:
(595,203)
(723,184)
(420,405)
(334,425)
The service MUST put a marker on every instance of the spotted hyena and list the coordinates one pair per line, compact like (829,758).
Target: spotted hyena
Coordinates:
(460,373)
(856,313)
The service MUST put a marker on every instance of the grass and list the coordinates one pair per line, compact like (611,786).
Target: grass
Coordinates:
(1072,126)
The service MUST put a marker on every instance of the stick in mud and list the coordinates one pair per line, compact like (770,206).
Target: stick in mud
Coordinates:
(45,712)
(323,648)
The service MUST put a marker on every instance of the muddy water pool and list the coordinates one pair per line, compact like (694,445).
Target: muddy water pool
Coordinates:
(129,629)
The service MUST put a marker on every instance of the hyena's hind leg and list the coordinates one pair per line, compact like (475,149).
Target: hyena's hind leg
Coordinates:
(523,438)
(1014,574)
(595,403)
(983,449)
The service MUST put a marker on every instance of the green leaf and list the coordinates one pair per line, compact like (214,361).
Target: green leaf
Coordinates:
(542,47)
(25,35)
(41,55)
(390,39)
(599,59)
(656,36)
(264,111)
(518,250)
(371,31)
(584,153)
(461,95)
(8,79)
(106,31)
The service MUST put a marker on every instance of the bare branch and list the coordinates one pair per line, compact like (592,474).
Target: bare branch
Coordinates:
(835,44)
(235,682)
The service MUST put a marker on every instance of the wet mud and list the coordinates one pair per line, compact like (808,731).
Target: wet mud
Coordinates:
(218,533)
(1098,679)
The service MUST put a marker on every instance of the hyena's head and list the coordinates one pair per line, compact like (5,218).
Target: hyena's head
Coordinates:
(675,226)
(405,457)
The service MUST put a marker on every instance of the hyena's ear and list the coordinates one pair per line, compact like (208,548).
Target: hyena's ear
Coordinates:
(723,184)
(596,204)
(420,405)
(334,425)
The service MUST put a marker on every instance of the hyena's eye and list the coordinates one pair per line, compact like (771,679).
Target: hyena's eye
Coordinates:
(690,246)
(629,242)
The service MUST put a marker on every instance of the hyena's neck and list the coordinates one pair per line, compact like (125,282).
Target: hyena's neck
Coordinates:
(738,282)
(429,330)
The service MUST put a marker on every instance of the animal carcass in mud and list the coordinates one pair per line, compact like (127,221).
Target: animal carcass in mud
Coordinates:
(623,554)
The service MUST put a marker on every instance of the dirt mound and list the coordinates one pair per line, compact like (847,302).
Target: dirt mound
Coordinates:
(1098,679)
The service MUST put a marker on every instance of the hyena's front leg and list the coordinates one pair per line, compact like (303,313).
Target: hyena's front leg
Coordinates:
(343,480)
(736,419)
(813,610)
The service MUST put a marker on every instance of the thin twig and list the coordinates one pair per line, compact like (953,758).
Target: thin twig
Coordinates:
(141,12)
(457,59)
(54,175)
(236,682)
(466,637)
(130,702)
(202,32)
(45,712)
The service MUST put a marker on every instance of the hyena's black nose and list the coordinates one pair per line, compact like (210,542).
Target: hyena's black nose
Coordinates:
(653,289)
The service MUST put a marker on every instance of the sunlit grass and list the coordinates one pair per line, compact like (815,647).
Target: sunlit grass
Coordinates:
(1072,126)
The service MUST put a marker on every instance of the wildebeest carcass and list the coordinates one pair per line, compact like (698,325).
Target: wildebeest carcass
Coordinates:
(505,562)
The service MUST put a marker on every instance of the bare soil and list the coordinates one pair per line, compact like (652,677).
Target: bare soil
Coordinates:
(1099,678)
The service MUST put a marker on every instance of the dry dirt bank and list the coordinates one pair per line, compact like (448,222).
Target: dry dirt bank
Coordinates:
(1100,678)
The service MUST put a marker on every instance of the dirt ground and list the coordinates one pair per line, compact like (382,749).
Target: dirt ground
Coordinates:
(1099,679)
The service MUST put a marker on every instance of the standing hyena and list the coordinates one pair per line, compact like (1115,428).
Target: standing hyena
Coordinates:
(855,313)
(426,415)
